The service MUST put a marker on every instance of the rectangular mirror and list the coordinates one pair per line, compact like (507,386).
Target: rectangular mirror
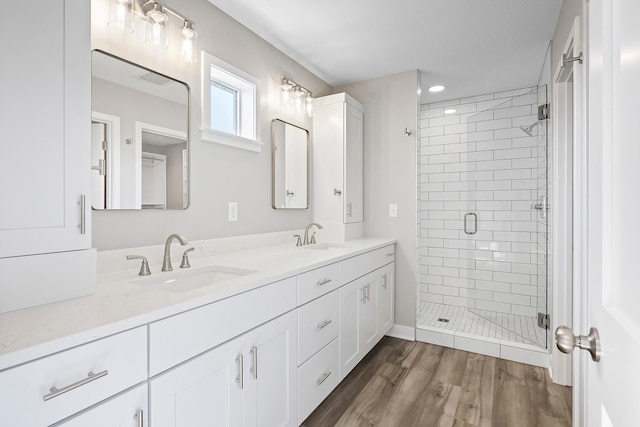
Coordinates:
(289,147)
(139,137)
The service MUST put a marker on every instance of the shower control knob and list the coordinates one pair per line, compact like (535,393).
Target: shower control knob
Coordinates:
(566,341)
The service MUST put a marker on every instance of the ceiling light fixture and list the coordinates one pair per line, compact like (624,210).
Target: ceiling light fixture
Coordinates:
(294,93)
(436,88)
(156,18)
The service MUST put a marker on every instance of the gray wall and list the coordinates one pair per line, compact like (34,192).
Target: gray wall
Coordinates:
(219,174)
(391,105)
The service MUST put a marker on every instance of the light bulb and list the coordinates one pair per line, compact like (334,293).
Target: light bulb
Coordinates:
(121,16)
(157,23)
(189,49)
(309,105)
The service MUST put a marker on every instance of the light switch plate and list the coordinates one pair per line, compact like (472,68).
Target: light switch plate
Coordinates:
(233,211)
(393,210)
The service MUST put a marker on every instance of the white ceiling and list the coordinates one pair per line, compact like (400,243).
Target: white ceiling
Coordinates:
(470,46)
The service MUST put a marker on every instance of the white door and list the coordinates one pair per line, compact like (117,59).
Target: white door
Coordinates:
(271,380)
(204,391)
(612,394)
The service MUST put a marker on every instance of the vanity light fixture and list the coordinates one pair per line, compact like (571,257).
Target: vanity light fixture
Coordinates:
(299,95)
(156,19)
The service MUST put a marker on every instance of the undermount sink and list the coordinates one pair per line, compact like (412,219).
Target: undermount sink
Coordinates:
(327,246)
(185,280)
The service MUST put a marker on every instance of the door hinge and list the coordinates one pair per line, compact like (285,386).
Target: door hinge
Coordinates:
(543,111)
(544,321)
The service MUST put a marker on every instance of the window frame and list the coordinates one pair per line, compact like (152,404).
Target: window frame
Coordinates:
(248,87)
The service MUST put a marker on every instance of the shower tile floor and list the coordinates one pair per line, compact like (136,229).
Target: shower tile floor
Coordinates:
(519,329)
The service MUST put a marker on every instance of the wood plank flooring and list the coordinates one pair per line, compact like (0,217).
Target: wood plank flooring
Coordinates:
(403,383)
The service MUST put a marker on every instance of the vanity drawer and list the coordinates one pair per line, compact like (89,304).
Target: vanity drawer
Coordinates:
(117,362)
(185,335)
(318,282)
(387,254)
(358,266)
(316,379)
(317,325)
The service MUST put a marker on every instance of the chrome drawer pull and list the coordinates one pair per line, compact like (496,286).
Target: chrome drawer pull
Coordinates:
(389,254)
(323,282)
(368,291)
(323,324)
(384,284)
(254,353)
(323,377)
(240,377)
(140,417)
(55,392)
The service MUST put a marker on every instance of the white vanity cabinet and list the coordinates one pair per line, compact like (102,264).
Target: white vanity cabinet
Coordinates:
(55,387)
(366,304)
(45,116)
(128,409)
(248,381)
(338,138)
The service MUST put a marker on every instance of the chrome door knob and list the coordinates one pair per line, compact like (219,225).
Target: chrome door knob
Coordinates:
(566,341)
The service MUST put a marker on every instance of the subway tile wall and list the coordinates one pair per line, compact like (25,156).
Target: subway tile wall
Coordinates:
(479,160)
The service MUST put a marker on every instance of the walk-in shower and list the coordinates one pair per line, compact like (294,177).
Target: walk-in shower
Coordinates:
(484,231)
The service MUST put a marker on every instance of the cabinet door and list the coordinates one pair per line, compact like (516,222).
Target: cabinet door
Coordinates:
(369,314)
(352,297)
(204,391)
(386,292)
(45,119)
(271,380)
(126,410)
(353,164)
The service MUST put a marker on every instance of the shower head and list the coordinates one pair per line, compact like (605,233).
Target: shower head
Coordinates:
(529,129)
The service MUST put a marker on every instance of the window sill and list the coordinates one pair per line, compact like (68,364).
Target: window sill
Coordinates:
(236,141)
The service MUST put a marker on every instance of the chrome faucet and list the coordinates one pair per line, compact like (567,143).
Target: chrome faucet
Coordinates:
(166,261)
(306,232)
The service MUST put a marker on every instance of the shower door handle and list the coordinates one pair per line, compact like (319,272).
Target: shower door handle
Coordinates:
(543,207)
(475,223)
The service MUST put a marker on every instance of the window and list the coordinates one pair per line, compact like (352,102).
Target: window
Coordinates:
(229,105)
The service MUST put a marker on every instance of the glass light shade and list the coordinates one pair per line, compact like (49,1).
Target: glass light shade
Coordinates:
(157,26)
(121,16)
(189,48)
(286,90)
(309,106)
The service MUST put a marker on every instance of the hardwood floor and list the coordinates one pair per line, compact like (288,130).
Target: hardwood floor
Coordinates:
(402,383)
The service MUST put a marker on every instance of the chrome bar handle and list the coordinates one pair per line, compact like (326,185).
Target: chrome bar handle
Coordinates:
(384,283)
(368,288)
(337,192)
(349,209)
(83,214)
(289,193)
(254,369)
(100,168)
(475,223)
(240,377)
(323,377)
(55,392)
(323,282)
(321,325)
(363,299)
(140,417)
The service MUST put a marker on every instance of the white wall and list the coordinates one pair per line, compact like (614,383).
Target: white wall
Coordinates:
(219,174)
(391,105)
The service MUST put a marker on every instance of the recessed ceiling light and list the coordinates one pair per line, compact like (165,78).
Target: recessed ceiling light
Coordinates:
(436,88)
(449,111)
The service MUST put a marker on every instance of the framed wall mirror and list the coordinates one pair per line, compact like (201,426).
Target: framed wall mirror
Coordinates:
(290,183)
(139,137)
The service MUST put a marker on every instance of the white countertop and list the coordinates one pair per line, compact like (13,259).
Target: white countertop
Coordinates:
(119,304)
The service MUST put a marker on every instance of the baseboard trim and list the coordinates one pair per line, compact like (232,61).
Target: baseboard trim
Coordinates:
(403,332)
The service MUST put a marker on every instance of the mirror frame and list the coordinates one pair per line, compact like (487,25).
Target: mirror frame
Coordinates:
(273,166)
(188,130)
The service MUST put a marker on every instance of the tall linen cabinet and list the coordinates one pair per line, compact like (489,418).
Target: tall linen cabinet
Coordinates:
(45,116)
(338,139)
